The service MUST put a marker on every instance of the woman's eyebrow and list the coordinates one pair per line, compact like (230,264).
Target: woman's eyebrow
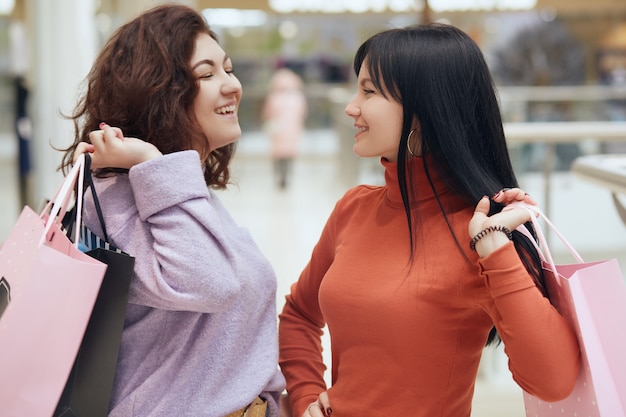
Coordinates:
(209,62)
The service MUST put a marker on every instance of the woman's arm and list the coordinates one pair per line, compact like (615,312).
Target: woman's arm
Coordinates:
(301,324)
(543,351)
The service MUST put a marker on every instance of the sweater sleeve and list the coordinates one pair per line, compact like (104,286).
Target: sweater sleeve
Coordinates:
(301,324)
(183,259)
(543,351)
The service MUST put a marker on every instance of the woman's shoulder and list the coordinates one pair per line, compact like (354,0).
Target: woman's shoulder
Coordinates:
(360,194)
(363,191)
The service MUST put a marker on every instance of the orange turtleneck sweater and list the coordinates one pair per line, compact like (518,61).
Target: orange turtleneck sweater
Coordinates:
(407,341)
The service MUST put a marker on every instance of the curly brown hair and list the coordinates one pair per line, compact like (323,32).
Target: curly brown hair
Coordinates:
(142,82)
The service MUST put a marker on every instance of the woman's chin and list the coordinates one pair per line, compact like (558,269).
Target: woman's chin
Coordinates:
(360,152)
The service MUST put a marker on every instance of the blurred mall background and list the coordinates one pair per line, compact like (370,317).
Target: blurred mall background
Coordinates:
(559,65)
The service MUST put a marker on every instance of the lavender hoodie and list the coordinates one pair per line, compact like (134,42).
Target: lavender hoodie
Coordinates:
(200,336)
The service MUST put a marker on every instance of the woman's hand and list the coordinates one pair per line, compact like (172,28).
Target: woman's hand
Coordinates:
(110,149)
(510,219)
(319,408)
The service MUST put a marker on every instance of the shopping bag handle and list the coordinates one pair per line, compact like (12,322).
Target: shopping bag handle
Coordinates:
(57,207)
(89,183)
(70,218)
(543,248)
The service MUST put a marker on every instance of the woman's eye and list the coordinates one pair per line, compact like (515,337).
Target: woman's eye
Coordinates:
(206,76)
(366,91)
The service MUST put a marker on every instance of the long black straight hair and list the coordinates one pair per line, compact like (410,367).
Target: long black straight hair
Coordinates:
(439,75)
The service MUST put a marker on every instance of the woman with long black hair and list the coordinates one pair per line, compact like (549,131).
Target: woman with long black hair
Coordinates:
(414,277)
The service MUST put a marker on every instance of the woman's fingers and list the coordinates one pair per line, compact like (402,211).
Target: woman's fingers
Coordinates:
(319,408)
(529,200)
(483,206)
(325,403)
(509,195)
(116,130)
(511,217)
(81,148)
(96,137)
(110,149)
(480,215)
(314,410)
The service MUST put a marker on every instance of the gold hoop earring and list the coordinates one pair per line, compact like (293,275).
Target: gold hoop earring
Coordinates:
(408,143)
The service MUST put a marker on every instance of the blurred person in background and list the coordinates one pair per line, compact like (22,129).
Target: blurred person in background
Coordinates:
(284,115)
(159,117)
(413,278)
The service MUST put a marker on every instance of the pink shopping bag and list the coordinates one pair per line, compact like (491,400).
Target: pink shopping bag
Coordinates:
(592,297)
(51,288)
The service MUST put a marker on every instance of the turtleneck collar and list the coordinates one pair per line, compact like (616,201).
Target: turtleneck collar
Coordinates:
(421,186)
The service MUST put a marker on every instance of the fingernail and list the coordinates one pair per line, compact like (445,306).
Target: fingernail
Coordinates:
(497,194)
(329,411)
(102,125)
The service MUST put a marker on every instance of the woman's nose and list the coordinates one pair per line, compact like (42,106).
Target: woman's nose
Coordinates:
(232,85)
(352,110)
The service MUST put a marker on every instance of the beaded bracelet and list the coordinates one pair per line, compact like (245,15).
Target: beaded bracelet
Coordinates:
(488,230)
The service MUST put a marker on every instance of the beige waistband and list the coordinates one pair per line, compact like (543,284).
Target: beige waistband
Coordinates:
(258,408)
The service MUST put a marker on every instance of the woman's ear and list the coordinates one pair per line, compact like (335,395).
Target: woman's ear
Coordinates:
(414,142)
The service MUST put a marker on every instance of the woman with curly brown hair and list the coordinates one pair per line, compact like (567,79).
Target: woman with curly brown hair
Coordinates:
(159,118)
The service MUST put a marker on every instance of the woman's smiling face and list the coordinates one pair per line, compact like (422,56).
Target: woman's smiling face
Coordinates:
(219,93)
(377,118)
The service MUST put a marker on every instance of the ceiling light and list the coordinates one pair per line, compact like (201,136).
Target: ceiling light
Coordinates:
(229,18)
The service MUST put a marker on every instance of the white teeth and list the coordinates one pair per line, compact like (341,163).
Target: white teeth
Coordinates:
(362,129)
(227,109)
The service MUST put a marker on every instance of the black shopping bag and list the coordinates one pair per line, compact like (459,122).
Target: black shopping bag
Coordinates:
(88,389)
(87,392)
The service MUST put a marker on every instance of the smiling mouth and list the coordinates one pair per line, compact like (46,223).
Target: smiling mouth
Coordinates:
(226,109)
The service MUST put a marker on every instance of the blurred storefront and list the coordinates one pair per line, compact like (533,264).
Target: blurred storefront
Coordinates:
(61,38)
